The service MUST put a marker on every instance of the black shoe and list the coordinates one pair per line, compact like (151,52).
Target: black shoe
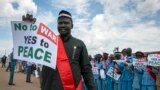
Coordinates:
(11,84)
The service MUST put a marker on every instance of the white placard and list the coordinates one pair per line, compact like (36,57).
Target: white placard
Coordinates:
(154,59)
(34,43)
(110,73)
(95,70)
(102,74)
(139,63)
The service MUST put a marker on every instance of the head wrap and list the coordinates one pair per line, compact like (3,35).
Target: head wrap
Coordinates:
(64,13)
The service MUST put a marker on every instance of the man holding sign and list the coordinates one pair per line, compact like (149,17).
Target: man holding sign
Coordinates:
(72,61)
(77,63)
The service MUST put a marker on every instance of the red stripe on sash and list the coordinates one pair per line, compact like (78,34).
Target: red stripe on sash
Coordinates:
(64,68)
(116,69)
(79,87)
(149,70)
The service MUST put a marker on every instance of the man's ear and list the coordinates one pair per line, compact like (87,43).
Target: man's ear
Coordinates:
(72,26)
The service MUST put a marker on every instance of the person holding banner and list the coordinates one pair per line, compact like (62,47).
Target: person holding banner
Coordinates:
(138,75)
(72,60)
(109,79)
(157,77)
(148,77)
(155,56)
(117,70)
(127,73)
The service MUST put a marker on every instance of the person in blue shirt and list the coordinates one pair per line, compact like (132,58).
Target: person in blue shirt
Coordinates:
(12,68)
(104,66)
(110,64)
(28,77)
(127,72)
(137,74)
(98,65)
(149,78)
(84,87)
(118,68)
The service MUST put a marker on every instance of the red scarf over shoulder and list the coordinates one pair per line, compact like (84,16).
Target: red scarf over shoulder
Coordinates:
(64,69)
(149,70)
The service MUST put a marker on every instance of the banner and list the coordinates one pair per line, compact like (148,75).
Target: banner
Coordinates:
(113,74)
(102,74)
(119,61)
(34,43)
(139,63)
(95,70)
(154,59)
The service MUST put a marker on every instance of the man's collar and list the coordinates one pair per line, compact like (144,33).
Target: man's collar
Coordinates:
(65,39)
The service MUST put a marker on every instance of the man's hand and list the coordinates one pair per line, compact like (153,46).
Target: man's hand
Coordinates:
(28,18)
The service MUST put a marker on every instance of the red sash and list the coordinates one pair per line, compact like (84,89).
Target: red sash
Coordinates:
(64,69)
(149,70)
(105,64)
(116,69)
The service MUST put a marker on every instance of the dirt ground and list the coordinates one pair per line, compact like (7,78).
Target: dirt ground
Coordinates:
(19,80)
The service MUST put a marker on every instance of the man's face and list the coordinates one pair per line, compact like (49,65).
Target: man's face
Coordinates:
(124,52)
(105,56)
(64,26)
(129,51)
(111,57)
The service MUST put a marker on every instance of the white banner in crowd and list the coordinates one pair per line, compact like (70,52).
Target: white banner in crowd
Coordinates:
(119,61)
(113,74)
(139,63)
(154,59)
(34,43)
(95,70)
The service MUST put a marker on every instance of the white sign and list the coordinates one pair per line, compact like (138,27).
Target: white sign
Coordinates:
(119,61)
(113,74)
(34,43)
(95,70)
(154,59)
(139,63)
(102,74)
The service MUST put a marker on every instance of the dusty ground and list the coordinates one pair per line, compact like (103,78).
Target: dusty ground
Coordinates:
(19,80)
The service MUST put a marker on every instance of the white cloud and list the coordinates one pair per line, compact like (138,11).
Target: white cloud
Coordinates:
(80,6)
(23,6)
(148,6)
(9,12)
(47,17)
(105,32)
(6,46)
(142,37)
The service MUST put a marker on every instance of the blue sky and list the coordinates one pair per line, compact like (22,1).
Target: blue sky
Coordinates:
(101,24)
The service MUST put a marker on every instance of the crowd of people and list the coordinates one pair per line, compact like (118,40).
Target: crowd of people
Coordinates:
(29,69)
(125,75)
